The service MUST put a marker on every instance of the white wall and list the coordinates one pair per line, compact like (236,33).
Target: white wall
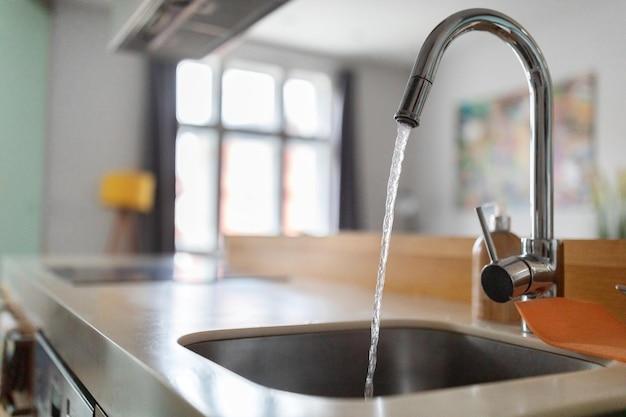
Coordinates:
(96,123)
(585,37)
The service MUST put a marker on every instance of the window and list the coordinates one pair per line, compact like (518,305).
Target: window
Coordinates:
(253,153)
(249,197)
(194,89)
(249,100)
(195,211)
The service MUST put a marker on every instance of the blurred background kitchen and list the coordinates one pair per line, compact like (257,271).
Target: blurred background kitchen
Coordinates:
(288,128)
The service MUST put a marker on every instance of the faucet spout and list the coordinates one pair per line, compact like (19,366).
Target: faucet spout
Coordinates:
(539,84)
(537,270)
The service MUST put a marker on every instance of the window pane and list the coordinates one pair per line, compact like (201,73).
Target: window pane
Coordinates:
(196,190)
(307,188)
(307,102)
(194,90)
(249,100)
(249,198)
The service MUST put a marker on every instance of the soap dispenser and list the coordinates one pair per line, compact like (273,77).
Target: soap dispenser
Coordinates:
(507,244)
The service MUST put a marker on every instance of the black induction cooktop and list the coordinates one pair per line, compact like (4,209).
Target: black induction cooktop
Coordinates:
(192,271)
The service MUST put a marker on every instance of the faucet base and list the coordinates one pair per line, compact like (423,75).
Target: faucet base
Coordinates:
(523,325)
(550,293)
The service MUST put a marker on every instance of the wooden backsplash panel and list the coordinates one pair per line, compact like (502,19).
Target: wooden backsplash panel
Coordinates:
(592,268)
(426,265)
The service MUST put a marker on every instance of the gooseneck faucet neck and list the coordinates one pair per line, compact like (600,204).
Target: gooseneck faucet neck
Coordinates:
(539,84)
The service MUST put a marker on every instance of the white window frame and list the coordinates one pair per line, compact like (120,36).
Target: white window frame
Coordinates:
(281,73)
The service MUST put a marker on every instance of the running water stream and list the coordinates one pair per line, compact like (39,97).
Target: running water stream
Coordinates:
(392,191)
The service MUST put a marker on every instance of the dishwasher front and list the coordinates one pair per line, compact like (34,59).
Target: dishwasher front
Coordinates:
(57,393)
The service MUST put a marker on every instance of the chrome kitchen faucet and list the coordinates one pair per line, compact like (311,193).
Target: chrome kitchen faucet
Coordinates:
(534,272)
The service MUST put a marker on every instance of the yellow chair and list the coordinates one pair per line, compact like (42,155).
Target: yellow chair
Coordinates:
(129,193)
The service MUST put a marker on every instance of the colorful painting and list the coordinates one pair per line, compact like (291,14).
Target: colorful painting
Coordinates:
(493,141)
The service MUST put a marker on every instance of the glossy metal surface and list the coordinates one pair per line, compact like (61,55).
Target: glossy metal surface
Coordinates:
(333,364)
(536,269)
(539,84)
(505,279)
(491,248)
(56,390)
(533,274)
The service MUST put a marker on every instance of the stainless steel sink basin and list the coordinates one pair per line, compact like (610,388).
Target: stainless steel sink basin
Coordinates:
(333,363)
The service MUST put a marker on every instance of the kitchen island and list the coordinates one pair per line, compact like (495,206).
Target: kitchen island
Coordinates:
(124,342)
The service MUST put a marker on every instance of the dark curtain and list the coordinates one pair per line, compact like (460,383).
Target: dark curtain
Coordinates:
(349,191)
(158,227)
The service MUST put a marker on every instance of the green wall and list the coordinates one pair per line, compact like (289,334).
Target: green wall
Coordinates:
(24,30)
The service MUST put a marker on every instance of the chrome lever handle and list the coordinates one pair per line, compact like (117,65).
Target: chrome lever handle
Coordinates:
(491,248)
(506,278)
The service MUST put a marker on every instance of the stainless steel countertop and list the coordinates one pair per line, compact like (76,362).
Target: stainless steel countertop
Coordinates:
(121,340)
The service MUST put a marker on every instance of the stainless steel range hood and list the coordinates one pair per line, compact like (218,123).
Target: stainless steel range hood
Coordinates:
(183,28)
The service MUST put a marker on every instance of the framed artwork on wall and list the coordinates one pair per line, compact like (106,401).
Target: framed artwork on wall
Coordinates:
(493,138)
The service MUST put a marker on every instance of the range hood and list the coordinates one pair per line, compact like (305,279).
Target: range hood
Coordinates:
(183,28)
